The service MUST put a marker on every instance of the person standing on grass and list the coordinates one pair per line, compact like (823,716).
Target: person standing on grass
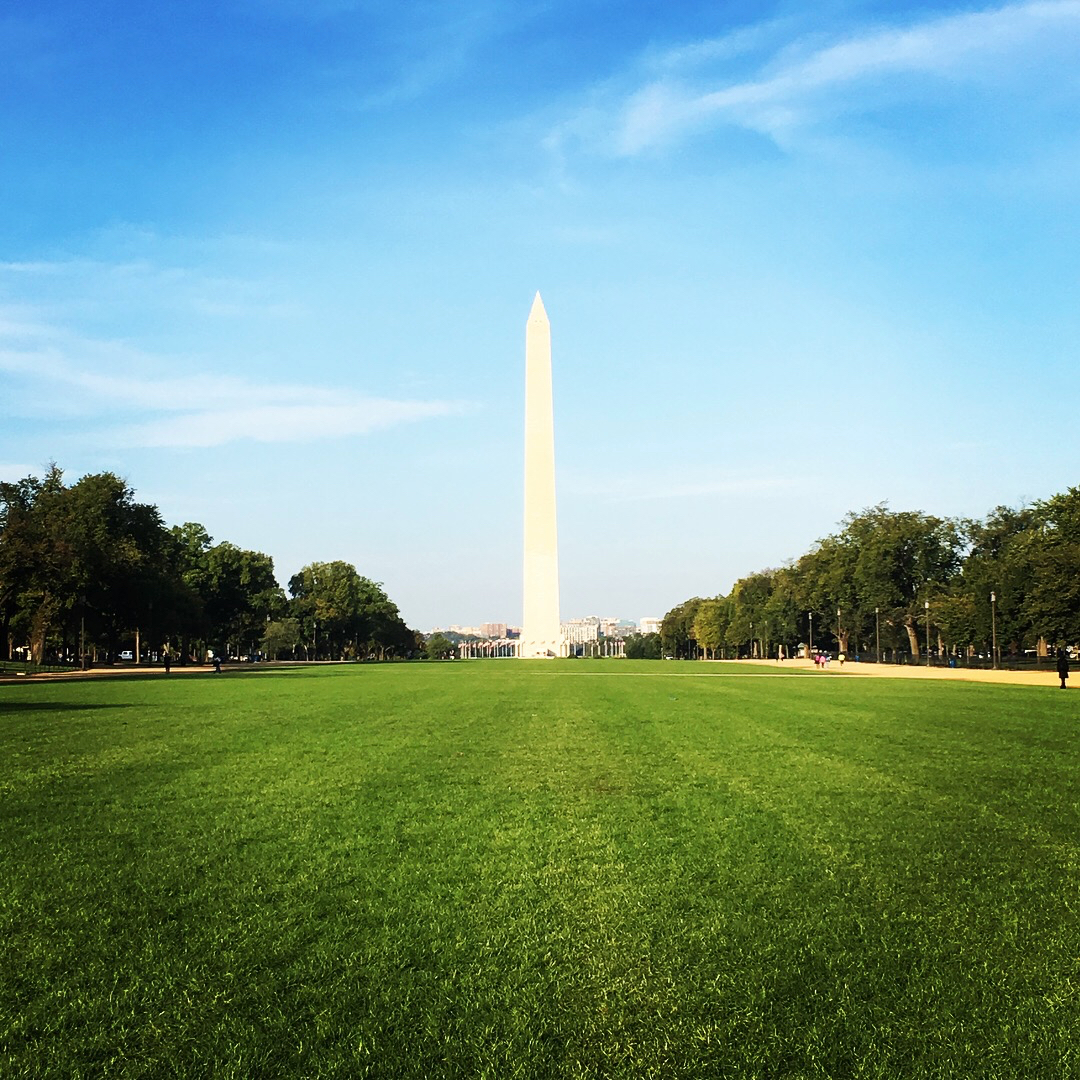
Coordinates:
(1063,667)
(166,659)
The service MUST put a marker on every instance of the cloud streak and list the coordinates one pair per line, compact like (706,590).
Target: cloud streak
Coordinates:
(674,95)
(11,472)
(296,421)
(197,410)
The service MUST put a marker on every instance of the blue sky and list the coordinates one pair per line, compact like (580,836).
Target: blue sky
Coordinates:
(271,261)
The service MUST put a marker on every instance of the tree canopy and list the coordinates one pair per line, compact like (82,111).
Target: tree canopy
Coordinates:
(906,580)
(88,563)
(349,616)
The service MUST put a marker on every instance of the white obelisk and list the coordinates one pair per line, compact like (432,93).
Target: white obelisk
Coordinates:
(540,633)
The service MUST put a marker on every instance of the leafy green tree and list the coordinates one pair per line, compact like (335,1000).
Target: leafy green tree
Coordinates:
(643,647)
(25,556)
(346,615)
(280,636)
(748,606)
(782,610)
(392,638)
(120,549)
(238,592)
(711,624)
(87,553)
(894,561)
(439,647)
(90,555)
(676,629)
(1051,552)
(999,563)
(954,614)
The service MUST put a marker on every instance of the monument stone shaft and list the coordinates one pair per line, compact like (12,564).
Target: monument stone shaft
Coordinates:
(540,633)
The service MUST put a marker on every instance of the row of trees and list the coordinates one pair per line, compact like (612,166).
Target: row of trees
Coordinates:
(905,581)
(85,567)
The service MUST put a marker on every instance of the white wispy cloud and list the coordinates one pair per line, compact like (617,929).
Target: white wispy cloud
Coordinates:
(294,421)
(424,46)
(10,471)
(52,373)
(797,82)
(82,282)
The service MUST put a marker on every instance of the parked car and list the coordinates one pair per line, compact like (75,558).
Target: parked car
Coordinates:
(127,654)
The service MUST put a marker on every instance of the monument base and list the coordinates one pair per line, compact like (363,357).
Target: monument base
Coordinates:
(541,650)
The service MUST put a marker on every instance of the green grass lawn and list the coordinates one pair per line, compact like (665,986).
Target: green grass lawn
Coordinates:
(512,869)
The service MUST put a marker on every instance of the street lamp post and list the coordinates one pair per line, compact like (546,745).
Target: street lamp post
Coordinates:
(877,633)
(314,621)
(811,615)
(839,647)
(82,633)
(993,629)
(751,641)
(926,605)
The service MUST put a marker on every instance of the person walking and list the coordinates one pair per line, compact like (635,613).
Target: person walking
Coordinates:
(1063,667)
(166,659)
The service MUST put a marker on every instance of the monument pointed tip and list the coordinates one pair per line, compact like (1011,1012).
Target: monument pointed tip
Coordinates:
(538,305)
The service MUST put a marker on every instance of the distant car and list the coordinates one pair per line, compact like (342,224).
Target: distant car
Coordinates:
(127,654)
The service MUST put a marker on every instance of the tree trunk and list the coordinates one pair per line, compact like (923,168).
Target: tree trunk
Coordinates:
(913,636)
(39,628)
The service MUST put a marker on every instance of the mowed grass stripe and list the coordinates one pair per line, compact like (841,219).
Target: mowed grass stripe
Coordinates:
(468,870)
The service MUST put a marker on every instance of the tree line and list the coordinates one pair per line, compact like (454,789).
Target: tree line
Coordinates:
(85,568)
(905,583)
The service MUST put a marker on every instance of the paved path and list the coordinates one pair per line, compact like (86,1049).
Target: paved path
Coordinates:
(1046,677)
(132,669)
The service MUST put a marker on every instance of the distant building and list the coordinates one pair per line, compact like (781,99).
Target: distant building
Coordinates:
(495,631)
(649,625)
(576,631)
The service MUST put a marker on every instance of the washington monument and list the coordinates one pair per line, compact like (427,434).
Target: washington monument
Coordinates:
(540,633)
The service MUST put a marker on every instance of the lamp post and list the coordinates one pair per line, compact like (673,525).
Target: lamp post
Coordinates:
(877,633)
(926,605)
(314,621)
(839,647)
(751,640)
(811,616)
(993,629)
